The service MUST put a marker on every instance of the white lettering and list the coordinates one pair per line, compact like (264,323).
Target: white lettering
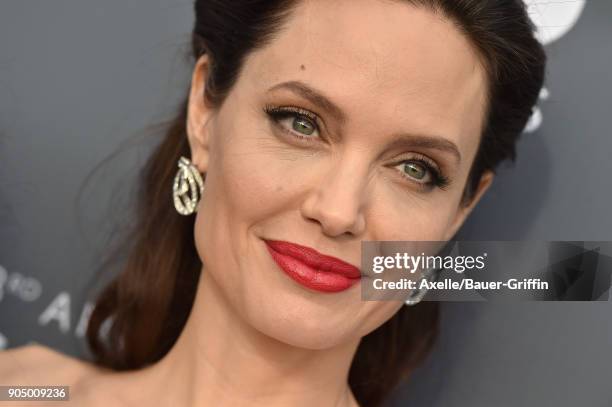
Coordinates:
(59,309)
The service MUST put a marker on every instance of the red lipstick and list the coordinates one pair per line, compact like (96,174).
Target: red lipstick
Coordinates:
(312,269)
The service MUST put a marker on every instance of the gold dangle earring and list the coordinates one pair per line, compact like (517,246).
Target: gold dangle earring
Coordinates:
(188,187)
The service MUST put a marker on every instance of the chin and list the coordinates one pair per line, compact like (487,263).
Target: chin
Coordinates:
(306,332)
(302,323)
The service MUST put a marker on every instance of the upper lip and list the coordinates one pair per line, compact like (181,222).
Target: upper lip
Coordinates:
(314,259)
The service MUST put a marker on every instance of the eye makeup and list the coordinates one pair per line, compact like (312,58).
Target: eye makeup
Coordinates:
(277,114)
(433,174)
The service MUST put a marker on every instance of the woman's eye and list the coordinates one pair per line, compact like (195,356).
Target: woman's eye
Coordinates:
(415,171)
(295,121)
(302,125)
(423,172)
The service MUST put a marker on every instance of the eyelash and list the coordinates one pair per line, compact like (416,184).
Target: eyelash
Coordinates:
(277,113)
(438,179)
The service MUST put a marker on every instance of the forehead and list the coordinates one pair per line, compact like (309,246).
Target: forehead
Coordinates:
(412,66)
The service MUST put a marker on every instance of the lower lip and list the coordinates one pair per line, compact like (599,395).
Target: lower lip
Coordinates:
(326,281)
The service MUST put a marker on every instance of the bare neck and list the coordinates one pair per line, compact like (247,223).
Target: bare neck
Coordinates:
(220,360)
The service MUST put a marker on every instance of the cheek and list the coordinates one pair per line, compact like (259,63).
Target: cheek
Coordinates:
(245,188)
(408,215)
(246,170)
(240,181)
(234,198)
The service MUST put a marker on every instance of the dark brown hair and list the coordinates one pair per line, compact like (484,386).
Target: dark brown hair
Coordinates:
(147,304)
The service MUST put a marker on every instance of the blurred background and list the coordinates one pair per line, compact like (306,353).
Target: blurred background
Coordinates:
(86,87)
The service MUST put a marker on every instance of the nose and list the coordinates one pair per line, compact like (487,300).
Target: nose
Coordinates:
(337,202)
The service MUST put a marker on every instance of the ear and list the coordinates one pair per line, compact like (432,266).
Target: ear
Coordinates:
(199,113)
(464,210)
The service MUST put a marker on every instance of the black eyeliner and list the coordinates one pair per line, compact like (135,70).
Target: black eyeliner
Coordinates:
(277,113)
(439,180)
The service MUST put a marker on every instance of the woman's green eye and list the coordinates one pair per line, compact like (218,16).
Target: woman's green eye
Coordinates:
(299,123)
(303,126)
(415,170)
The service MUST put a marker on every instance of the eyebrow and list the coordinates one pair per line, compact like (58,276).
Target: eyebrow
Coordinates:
(425,141)
(314,97)
(400,140)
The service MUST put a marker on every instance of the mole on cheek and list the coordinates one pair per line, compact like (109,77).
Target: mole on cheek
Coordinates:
(302,67)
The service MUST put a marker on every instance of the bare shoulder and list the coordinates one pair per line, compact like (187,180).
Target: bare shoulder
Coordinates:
(40,365)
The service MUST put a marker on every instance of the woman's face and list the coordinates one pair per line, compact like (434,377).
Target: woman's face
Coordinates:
(397,95)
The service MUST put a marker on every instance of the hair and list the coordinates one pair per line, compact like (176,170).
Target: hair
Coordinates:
(145,307)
